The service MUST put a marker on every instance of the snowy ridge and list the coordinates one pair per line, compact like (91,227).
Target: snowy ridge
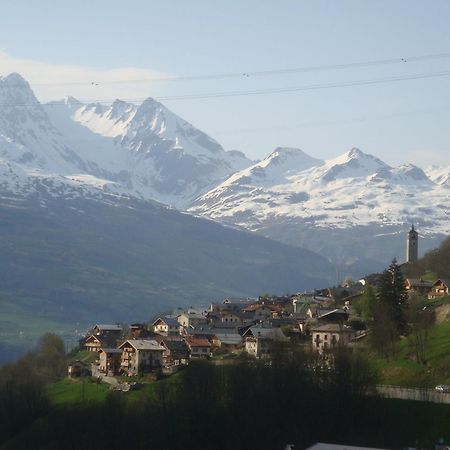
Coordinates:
(353,189)
(144,150)
(439,175)
(72,150)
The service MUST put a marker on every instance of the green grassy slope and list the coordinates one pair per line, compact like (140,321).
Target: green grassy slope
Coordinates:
(403,370)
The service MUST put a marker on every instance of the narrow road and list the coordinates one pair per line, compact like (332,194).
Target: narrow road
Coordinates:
(418,394)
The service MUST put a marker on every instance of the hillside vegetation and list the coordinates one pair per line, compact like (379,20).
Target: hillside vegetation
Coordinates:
(436,261)
(403,370)
(200,404)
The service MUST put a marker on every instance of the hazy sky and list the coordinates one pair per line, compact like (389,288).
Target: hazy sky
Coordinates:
(63,47)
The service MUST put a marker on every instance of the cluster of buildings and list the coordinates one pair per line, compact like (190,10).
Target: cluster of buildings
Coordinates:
(256,327)
(430,289)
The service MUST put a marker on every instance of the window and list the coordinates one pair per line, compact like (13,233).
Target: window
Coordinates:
(204,350)
(326,337)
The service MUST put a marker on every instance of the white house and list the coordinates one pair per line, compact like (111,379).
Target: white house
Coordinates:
(166,325)
(328,335)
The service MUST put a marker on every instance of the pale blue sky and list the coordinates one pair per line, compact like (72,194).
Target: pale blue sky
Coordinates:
(408,121)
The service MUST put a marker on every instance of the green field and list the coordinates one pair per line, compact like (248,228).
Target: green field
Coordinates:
(403,370)
(77,392)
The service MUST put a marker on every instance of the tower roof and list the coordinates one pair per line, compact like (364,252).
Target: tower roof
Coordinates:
(412,231)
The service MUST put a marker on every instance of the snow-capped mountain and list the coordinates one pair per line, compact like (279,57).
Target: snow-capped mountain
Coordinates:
(155,153)
(299,199)
(439,175)
(144,151)
(80,236)
(343,207)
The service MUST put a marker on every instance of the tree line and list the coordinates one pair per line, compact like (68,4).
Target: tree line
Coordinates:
(22,385)
(248,405)
(391,312)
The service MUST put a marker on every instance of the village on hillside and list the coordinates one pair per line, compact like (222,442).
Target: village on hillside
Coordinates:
(255,328)
(262,328)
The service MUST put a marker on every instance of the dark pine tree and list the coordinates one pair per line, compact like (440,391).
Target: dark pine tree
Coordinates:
(393,295)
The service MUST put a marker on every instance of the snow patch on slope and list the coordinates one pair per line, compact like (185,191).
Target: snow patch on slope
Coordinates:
(351,190)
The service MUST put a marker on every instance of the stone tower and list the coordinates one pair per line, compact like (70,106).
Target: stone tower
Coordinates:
(412,245)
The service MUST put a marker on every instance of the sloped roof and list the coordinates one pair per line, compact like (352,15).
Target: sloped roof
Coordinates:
(257,306)
(197,342)
(171,321)
(419,282)
(229,338)
(266,333)
(442,280)
(240,301)
(92,337)
(175,345)
(143,344)
(193,315)
(333,312)
(108,327)
(111,350)
(331,328)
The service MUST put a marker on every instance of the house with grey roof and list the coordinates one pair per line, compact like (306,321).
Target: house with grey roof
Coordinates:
(140,355)
(166,325)
(419,285)
(107,330)
(326,336)
(228,341)
(261,342)
(440,288)
(334,315)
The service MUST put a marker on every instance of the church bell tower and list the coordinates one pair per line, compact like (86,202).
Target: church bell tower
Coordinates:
(412,245)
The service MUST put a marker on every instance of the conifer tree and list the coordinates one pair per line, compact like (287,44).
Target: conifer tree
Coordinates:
(393,296)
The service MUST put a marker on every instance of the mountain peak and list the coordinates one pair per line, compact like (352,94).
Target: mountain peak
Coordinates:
(150,104)
(354,163)
(14,79)
(72,101)
(119,108)
(355,157)
(355,153)
(15,91)
(413,173)
(288,151)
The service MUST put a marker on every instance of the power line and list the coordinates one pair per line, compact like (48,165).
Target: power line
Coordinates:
(309,87)
(247,74)
(278,90)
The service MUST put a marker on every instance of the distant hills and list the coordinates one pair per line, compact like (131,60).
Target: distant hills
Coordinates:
(76,261)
